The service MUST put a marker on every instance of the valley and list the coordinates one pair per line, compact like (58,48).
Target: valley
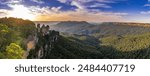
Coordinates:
(110,40)
(73,40)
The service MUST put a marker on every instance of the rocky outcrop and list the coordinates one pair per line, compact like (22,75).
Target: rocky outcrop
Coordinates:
(44,42)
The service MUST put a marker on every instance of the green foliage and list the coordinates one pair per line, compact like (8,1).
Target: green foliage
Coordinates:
(2,55)
(14,51)
(3,29)
(24,27)
(6,36)
(126,47)
(17,31)
(110,47)
(68,48)
(128,42)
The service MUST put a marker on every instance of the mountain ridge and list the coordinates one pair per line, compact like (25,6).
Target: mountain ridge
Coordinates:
(86,28)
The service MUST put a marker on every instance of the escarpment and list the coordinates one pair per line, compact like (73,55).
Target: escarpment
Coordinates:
(44,42)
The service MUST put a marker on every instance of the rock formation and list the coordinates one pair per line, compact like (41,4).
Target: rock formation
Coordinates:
(44,42)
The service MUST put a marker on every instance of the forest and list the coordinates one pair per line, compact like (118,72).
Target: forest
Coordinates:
(111,47)
(13,37)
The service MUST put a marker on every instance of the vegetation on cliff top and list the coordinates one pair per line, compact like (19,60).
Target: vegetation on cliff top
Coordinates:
(13,35)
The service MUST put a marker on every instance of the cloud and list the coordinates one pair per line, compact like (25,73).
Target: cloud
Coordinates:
(147,5)
(85,4)
(11,1)
(100,5)
(82,16)
(3,13)
(85,1)
(38,1)
(100,1)
(55,14)
(18,11)
(77,4)
(145,13)
(56,9)
(47,13)
(36,10)
(91,14)
(63,1)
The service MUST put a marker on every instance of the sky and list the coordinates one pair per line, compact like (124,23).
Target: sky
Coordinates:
(77,10)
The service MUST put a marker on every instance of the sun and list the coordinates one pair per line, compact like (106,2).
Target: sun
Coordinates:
(20,11)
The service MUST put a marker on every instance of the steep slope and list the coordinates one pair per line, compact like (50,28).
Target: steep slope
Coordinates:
(68,48)
(85,39)
(73,48)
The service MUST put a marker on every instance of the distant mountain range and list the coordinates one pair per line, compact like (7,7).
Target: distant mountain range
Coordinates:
(106,28)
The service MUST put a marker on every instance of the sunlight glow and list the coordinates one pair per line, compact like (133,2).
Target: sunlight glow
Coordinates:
(21,11)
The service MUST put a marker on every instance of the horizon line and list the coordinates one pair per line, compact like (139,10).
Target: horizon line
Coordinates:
(95,21)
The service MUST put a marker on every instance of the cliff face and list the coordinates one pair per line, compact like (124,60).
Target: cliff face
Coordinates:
(50,45)
(44,42)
